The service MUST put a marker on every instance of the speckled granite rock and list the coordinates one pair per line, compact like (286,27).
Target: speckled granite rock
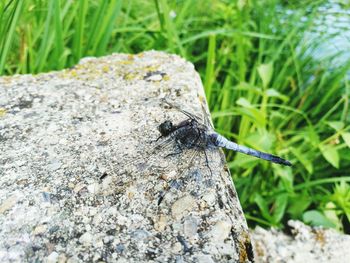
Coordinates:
(77,183)
(304,244)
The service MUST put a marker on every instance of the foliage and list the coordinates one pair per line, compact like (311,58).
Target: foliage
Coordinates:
(264,84)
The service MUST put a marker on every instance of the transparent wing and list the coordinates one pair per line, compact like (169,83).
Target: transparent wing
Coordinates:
(204,121)
(176,182)
(206,115)
(188,114)
(196,175)
(142,162)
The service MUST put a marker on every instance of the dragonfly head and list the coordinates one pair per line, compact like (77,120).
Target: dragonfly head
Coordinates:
(166,128)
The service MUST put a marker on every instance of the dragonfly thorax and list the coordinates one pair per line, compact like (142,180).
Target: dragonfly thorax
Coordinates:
(165,128)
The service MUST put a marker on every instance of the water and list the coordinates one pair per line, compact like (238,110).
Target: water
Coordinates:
(332,25)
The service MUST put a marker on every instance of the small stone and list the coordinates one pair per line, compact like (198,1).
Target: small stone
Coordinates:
(53,257)
(93,188)
(140,234)
(46,197)
(107,182)
(62,258)
(190,226)
(204,259)
(120,248)
(39,229)
(176,248)
(221,230)
(210,198)
(54,165)
(8,203)
(179,259)
(73,259)
(169,175)
(161,223)
(86,238)
(130,192)
(182,206)
(79,187)
(224,248)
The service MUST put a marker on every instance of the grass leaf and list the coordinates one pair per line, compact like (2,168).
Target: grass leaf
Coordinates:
(265,73)
(346,138)
(330,153)
(316,218)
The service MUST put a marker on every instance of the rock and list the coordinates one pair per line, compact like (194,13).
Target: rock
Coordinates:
(311,244)
(82,181)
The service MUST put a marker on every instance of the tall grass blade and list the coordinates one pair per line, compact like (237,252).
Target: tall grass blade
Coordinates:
(8,29)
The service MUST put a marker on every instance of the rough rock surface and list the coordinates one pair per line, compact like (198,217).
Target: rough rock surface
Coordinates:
(303,244)
(79,179)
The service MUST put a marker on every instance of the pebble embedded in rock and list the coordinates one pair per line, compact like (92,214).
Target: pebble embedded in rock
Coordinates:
(190,226)
(54,165)
(210,198)
(86,239)
(53,257)
(220,231)
(40,229)
(204,259)
(8,203)
(161,223)
(182,206)
(93,188)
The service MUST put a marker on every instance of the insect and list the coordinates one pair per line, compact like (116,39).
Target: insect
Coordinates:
(200,136)
(191,133)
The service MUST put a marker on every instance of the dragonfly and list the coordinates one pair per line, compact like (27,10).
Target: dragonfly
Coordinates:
(198,134)
(193,133)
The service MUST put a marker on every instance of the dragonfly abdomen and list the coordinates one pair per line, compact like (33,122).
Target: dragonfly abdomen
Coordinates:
(221,141)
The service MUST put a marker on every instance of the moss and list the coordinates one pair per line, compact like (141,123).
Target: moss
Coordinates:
(2,112)
(130,76)
(126,62)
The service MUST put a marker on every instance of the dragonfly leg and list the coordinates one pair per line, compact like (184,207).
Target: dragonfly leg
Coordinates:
(207,162)
(174,183)
(177,152)
(161,197)
(156,140)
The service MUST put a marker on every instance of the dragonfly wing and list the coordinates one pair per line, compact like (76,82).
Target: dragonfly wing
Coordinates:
(188,114)
(142,162)
(206,116)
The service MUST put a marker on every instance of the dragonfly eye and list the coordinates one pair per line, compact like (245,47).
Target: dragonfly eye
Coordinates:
(165,128)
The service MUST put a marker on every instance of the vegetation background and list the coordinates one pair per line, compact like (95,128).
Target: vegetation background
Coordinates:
(275,79)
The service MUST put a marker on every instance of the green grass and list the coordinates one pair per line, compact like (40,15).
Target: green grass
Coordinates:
(263,84)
